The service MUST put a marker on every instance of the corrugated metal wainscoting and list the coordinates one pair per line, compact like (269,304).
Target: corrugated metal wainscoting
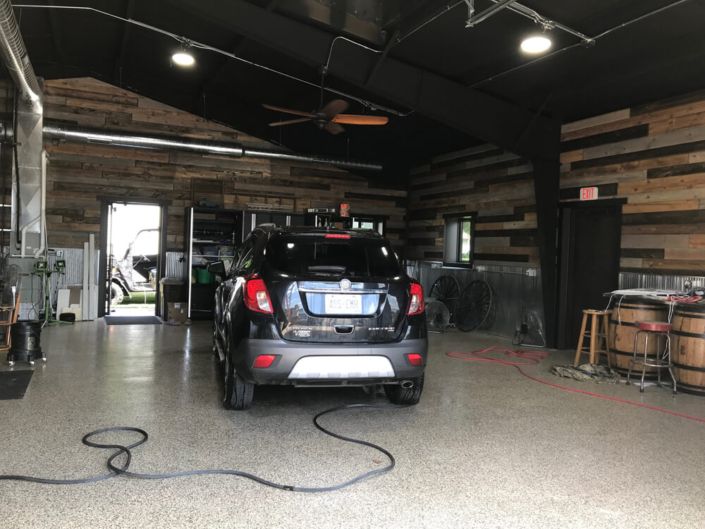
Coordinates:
(659,281)
(516,289)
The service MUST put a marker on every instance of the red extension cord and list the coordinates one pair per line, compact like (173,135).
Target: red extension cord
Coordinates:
(518,359)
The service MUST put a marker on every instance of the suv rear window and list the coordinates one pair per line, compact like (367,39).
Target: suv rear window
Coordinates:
(314,255)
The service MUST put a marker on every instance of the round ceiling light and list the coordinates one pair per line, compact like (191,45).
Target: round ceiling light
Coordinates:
(183,58)
(535,44)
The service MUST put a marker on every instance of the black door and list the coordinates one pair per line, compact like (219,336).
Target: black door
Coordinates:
(590,247)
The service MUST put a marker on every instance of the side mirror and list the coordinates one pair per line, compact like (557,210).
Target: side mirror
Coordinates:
(217,268)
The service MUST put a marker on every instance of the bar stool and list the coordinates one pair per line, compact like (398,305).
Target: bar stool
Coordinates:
(599,331)
(659,359)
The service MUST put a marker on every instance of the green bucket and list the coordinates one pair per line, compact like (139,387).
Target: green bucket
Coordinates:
(203,276)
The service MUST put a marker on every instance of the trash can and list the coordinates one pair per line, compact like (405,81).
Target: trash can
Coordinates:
(171,290)
(26,345)
(204,276)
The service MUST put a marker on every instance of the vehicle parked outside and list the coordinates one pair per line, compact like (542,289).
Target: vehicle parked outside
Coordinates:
(133,273)
(319,307)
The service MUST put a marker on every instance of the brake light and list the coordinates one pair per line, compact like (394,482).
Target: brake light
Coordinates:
(337,236)
(416,301)
(415,359)
(256,296)
(263,361)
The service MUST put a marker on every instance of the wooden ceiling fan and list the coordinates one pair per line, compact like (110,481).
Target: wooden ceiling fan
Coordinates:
(329,118)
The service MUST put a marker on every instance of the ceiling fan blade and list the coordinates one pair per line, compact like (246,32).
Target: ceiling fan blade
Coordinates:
(289,111)
(289,122)
(355,119)
(333,128)
(334,107)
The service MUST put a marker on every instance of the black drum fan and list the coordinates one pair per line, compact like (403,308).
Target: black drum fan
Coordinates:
(446,289)
(437,315)
(475,306)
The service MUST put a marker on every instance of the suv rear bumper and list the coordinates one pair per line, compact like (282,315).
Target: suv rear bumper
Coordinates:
(288,355)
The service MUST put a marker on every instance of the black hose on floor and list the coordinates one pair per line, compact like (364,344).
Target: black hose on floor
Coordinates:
(124,452)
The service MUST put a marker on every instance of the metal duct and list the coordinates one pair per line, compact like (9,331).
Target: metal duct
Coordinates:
(347,164)
(14,55)
(122,139)
(28,185)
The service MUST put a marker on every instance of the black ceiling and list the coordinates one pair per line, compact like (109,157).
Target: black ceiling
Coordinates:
(657,57)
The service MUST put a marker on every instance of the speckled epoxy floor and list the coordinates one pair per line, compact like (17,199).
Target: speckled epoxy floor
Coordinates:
(485,448)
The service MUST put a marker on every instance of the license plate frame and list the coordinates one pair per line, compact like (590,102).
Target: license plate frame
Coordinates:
(343,304)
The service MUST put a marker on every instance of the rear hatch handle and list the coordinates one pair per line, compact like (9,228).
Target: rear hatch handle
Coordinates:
(344,329)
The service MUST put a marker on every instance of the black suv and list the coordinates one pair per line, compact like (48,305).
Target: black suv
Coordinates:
(319,307)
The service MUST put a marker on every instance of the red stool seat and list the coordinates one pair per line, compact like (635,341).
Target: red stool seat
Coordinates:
(654,326)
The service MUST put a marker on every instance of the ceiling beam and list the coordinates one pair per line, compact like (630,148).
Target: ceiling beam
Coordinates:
(380,60)
(429,14)
(235,47)
(122,49)
(471,111)
(55,35)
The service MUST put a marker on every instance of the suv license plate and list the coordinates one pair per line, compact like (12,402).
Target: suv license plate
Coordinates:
(343,304)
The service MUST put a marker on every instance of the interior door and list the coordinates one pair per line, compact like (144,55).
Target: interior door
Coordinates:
(590,248)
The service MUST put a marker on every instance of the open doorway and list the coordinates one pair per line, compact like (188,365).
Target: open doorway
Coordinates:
(133,250)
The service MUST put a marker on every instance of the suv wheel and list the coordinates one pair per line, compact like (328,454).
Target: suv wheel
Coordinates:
(238,393)
(399,395)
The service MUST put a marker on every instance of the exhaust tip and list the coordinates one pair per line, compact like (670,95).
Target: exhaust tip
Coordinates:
(407,384)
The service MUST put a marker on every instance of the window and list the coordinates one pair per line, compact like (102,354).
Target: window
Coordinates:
(459,240)
(315,256)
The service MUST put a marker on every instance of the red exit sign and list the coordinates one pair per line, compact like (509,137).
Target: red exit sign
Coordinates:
(589,193)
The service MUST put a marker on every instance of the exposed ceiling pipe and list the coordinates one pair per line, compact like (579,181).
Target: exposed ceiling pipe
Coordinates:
(514,6)
(591,41)
(121,139)
(200,45)
(475,19)
(544,22)
(14,55)
(471,9)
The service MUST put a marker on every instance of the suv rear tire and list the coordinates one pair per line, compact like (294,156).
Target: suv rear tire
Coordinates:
(238,393)
(405,396)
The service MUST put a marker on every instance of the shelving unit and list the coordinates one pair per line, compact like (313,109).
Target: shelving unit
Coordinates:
(211,235)
(252,219)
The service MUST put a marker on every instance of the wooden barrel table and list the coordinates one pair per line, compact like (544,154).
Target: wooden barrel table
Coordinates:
(627,312)
(688,347)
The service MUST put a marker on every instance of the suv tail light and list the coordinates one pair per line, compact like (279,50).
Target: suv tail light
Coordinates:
(256,296)
(416,301)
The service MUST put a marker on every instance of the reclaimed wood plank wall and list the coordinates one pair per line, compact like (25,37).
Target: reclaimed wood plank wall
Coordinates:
(653,158)
(79,174)
(486,180)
